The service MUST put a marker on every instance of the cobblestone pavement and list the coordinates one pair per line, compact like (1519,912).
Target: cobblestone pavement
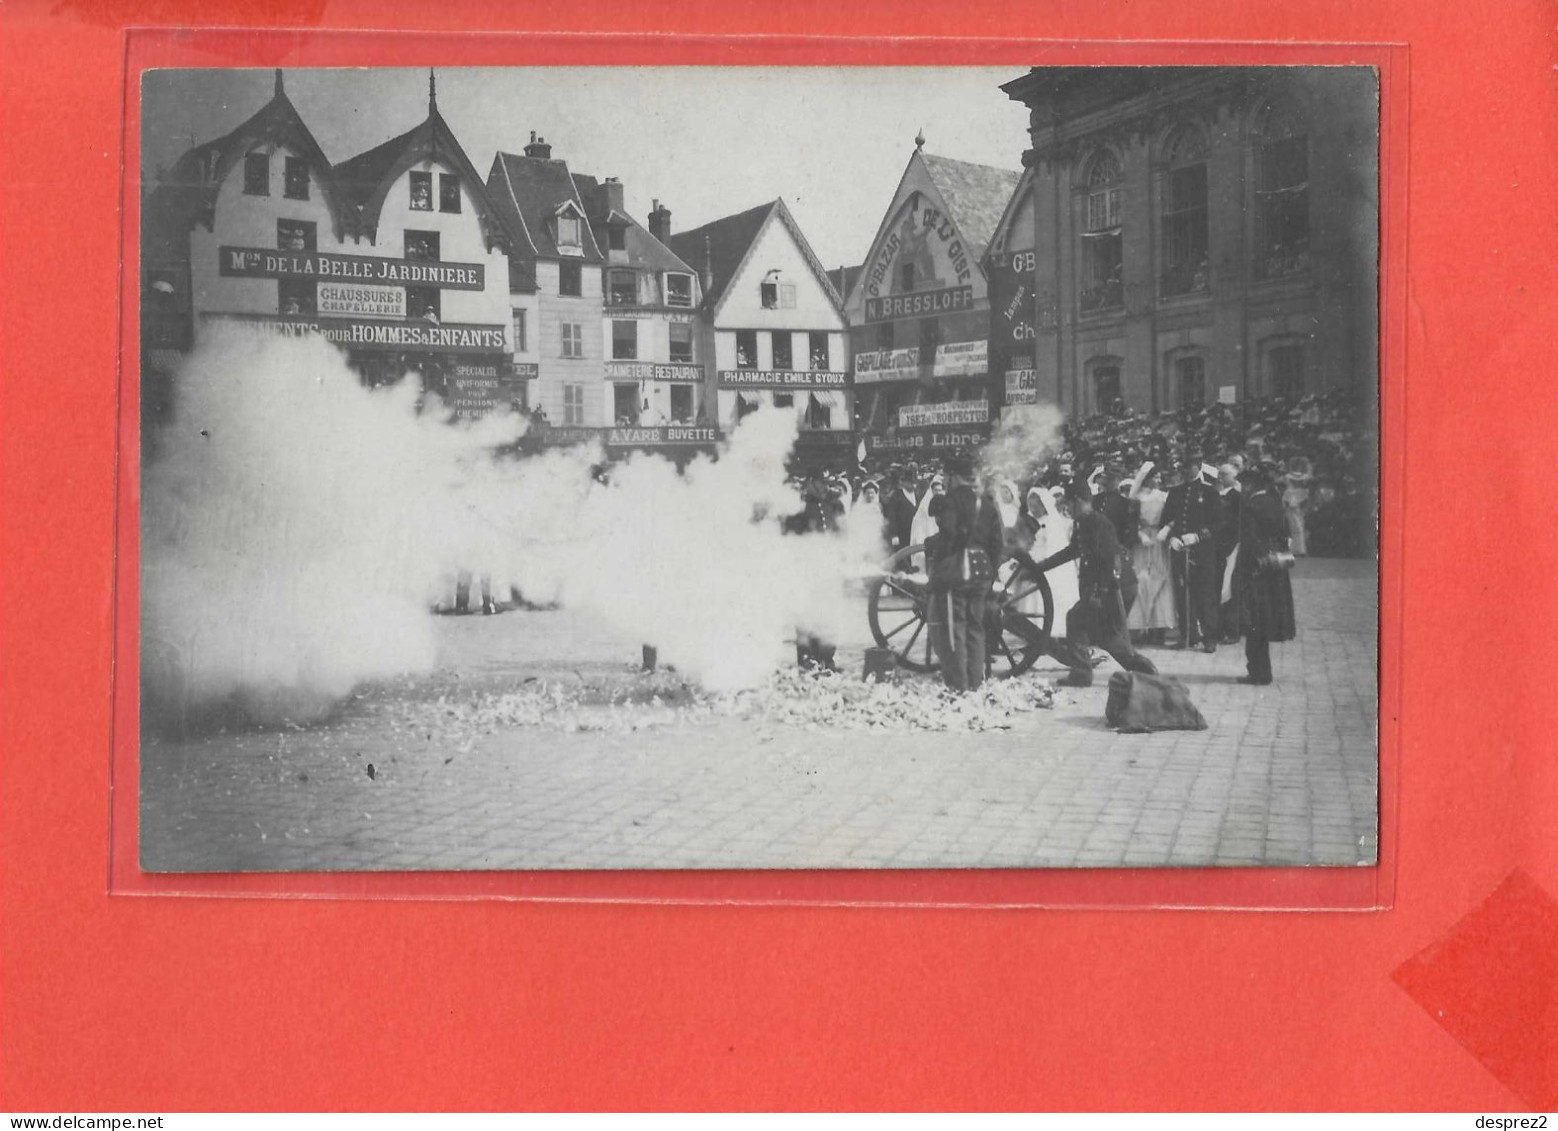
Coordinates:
(1284,775)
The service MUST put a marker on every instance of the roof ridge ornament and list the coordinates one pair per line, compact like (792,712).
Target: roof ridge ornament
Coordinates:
(280,90)
(432,93)
(919,138)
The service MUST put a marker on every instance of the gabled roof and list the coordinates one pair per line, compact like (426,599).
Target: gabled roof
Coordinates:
(1009,214)
(187,193)
(843,278)
(528,191)
(976,195)
(640,249)
(368,177)
(721,248)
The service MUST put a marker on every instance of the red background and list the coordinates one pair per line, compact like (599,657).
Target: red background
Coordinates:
(147,1004)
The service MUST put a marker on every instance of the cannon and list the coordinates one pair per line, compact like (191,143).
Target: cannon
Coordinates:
(1018,616)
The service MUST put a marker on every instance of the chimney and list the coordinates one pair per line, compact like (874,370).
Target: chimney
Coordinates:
(611,193)
(660,222)
(537,146)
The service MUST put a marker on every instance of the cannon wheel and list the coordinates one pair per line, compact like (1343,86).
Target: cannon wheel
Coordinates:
(1019,600)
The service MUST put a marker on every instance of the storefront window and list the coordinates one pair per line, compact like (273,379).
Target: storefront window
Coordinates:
(423,303)
(1190,381)
(421,245)
(296,297)
(570,279)
(681,341)
(256,174)
(448,192)
(682,410)
(421,192)
(819,351)
(781,347)
(1103,284)
(1282,198)
(624,402)
(819,414)
(885,335)
(623,288)
(295,235)
(746,349)
(624,340)
(572,339)
(1185,261)
(295,179)
(573,404)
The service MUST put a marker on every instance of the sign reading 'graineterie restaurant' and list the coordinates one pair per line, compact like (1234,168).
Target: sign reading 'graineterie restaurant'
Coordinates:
(268,263)
(653,371)
(450,337)
(782,378)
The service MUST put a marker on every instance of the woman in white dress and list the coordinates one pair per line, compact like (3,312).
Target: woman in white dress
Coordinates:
(922,527)
(1152,613)
(1052,534)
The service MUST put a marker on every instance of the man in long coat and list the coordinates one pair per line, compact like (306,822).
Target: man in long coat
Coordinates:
(1190,516)
(1265,590)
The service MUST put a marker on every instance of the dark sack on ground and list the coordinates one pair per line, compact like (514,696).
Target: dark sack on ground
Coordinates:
(1140,702)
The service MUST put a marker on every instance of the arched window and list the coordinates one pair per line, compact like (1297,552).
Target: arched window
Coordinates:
(1103,375)
(1103,284)
(1186,264)
(1281,195)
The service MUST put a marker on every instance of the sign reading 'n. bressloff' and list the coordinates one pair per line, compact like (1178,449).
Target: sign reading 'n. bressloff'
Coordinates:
(269,263)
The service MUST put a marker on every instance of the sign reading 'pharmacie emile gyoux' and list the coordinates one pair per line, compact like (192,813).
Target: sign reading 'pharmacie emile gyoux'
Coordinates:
(268,263)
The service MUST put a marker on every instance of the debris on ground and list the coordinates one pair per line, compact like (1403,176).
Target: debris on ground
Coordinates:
(811,700)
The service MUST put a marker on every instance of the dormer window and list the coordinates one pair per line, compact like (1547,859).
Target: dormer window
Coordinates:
(568,234)
(256,174)
(616,237)
(678,290)
(421,192)
(295,179)
(448,192)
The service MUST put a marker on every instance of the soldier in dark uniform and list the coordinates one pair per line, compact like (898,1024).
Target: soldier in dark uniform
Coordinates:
(1265,591)
(1226,535)
(1190,516)
(1107,586)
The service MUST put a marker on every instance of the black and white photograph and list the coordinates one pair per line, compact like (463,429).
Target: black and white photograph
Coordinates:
(580,468)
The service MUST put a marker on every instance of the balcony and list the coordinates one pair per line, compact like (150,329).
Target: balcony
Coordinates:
(1105,296)
(1186,280)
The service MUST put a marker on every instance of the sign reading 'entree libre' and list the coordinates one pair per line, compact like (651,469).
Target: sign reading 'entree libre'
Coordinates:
(268,263)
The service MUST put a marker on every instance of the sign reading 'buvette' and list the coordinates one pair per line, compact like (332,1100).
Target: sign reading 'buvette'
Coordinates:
(268,263)
(663,434)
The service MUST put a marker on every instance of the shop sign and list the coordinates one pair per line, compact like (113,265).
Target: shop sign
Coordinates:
(351,333)
(662,435)
(948,412)
(947,438)
(363,299)
(646,312)
(1227,394)
(961,359)
(526,370)
(887,365)
(560,435)
(269,263)
(782,378)
(1022,386)
(825,438)
(927,238)
(919,304)
(475,390)
(653,371)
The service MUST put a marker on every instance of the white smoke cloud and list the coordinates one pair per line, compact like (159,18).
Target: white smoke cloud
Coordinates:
(1026,437)
(297,528)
